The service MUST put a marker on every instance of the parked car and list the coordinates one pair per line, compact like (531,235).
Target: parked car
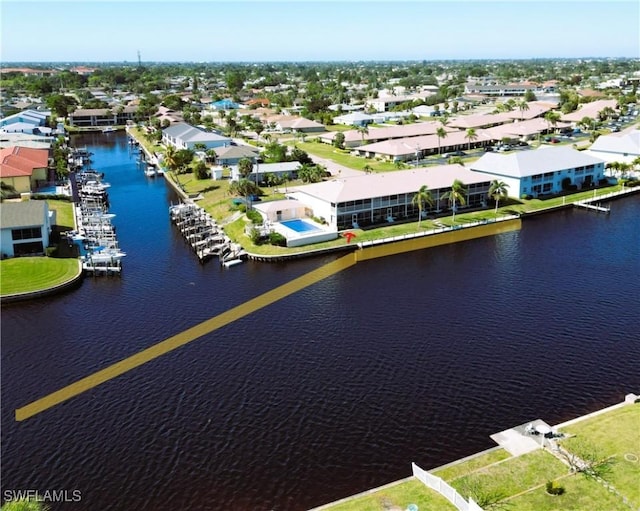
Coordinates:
(455,153)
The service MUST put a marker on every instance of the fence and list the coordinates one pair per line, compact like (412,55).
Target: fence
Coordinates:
(444,489)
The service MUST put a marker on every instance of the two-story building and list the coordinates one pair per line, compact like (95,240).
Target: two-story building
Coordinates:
(545,171)
(25,227)
(184,136)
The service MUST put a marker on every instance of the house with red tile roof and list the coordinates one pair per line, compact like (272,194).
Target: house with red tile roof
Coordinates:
(24,168)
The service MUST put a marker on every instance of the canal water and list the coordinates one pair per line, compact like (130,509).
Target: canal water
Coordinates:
(328,392)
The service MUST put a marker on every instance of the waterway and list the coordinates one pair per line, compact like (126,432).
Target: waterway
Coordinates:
(328,392)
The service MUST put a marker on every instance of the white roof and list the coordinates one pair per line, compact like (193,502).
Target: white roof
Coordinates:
(390,183)
(533,162)
(278,205)
(627,143)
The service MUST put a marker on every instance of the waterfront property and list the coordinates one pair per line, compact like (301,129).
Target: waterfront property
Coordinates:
(184,136)
(25,227)
(620,147)
(384,198)
(99,117)
(281,170)
(24,168)
(545,171)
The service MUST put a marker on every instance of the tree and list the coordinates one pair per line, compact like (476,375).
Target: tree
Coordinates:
(199,146)
(338,140)
(311,173)
(367,169)
(7,191)
(457,194)
(363,130)
(497,189)
(245,167)
(523,106)
(552,118)
(245,188)
(440,133)
(421,198)
(471,136)
(170,160)
(24,505)
(201,171)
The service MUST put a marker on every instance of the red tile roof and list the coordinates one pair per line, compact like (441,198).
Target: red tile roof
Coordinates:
(21,161)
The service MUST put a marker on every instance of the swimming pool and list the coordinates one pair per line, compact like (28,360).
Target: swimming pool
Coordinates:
(299,225)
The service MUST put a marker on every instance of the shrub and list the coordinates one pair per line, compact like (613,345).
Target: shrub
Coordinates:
(554,488)
(255,236)
(275,238)
(254,216)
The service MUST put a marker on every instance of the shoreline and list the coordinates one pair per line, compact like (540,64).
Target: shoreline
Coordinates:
(358,247)
(629,399)
(48,291)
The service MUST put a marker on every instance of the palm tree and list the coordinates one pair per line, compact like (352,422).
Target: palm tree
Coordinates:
(422,197)
(440,133)
(170,158)
(363,130)
(471,136)
(497,189)
(552,118)
(523,106)
(6,191)
(367,169)
(456,195)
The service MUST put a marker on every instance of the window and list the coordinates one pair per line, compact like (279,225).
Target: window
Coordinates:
(27,233)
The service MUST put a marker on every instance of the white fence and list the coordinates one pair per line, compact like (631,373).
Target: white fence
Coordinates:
(450,493)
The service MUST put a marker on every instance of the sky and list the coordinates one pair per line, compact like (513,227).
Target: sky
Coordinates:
(305,30)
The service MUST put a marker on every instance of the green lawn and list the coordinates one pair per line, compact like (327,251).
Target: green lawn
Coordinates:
(397,496)
(64,213)
(615,434)
(456,470)
(581,494)
(25,274)
(343,157)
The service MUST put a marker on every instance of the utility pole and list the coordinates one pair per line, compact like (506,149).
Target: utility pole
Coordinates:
(139,60)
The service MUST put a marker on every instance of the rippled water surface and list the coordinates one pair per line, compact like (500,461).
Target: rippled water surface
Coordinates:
(328,392)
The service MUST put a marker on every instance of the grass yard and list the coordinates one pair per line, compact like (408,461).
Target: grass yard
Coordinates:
(397,497)
(343,157)
(581,494)
(616,434)
(64,213)
(511,476)
(453,471)
(25,274)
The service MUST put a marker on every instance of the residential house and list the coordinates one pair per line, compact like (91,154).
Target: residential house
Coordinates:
(97,117)
(24,168)
(25,227)
(620,147)
(299,125)
(544,171)
(591,110)
(372,199)
(32,122)
(185,136)
(232,154)
(408,149)
(354,119)
(285,169)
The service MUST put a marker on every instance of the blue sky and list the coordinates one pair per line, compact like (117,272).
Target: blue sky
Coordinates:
(219,31)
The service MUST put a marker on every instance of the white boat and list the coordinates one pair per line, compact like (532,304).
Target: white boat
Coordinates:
(104,256)
(232,262)
(150,171)
(108,129)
